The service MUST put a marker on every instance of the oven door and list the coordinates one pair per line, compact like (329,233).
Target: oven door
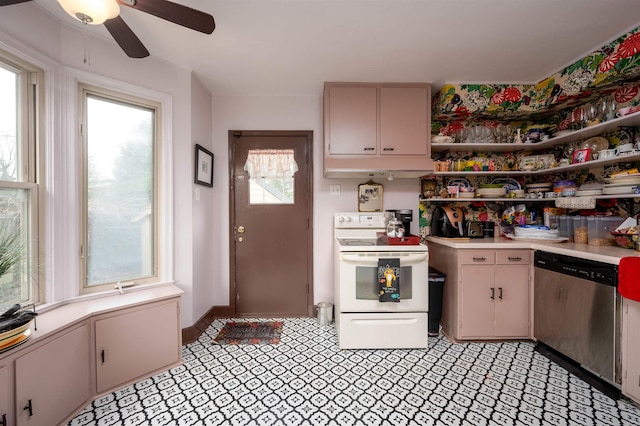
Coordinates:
(358,287)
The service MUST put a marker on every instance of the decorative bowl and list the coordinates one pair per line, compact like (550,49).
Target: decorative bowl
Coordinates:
(625,240)
(441,139)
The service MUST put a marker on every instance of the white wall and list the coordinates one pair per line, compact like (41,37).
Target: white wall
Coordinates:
(292,113)
(205,214)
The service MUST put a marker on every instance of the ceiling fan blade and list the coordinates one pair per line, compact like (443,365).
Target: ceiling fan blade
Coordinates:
(174,12)
(8,2)
(126,39)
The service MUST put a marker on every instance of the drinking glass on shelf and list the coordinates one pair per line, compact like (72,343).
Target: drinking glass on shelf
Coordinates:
(592,114)
(608,109)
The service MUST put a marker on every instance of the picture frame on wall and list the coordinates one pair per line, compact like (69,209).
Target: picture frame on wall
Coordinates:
(204,166)
(370,197)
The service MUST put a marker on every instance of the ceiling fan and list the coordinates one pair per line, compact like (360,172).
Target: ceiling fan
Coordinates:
(96,12)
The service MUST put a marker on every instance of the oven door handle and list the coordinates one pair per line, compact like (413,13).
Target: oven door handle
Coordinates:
(405,259)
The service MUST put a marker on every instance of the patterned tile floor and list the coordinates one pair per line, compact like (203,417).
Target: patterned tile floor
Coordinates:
(307,380)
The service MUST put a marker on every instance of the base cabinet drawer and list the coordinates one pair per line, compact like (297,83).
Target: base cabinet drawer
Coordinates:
(371,331)
(472,257)
(513,257)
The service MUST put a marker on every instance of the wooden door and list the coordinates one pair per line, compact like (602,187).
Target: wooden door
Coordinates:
(271,243)
(512,301)
(477,311)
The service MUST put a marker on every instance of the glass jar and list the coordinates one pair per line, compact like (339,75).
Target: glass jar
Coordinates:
(395,228)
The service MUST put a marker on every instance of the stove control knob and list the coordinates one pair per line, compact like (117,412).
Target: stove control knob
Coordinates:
(340,219)
(347,219)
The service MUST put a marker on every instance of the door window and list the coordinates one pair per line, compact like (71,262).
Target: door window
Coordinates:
(271,174)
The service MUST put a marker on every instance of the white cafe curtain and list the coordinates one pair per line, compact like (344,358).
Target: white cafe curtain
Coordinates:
(270,163)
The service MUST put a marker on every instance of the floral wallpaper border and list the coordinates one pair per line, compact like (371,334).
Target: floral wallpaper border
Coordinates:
(611,70)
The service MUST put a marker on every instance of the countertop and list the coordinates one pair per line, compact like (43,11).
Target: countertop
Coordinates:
(606,254)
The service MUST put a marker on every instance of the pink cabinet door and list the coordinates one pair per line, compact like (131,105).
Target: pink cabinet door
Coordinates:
(351,120)
(6,389)
(512,301)
(53,380)
(136,343)
(631,349)
(477,310)
(404,122)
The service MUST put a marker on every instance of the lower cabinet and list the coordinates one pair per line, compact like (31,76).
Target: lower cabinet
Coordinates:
(6,400)
(133,344)
(87,349)
(53,380)
(631,349)
(486,292)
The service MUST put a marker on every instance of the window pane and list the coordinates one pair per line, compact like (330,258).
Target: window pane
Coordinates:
(120,191)
(8,125)
(271,190)
(15,275)
(271,176)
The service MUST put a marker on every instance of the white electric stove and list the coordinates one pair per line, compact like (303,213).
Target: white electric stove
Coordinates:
(362,320)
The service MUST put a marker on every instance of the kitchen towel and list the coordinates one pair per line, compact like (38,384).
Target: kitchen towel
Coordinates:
(389,280)
(629,278)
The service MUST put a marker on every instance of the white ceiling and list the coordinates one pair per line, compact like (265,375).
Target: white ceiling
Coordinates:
(290,47)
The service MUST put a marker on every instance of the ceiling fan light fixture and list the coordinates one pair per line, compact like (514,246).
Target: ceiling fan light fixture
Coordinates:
(93,12)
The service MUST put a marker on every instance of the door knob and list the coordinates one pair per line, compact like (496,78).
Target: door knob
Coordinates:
(241,229)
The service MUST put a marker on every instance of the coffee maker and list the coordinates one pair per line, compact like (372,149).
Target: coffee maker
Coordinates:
(405,216)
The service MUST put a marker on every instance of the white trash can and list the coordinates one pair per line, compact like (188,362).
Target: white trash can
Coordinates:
(325,313)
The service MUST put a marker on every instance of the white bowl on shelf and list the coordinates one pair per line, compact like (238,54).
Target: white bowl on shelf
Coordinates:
(491,192)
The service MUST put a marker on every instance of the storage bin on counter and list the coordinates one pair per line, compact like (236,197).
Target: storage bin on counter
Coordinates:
(600,227)
(566,227)
(580,230)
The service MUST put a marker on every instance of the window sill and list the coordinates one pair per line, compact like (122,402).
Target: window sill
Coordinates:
(56,317)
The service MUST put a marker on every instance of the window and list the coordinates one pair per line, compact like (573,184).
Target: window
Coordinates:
(20,94)
(119,203)
(271,176)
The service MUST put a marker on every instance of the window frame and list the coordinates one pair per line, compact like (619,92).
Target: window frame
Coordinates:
(84,91)
(29,170)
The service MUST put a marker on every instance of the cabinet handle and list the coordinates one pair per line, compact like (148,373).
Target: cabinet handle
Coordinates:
(515,259)
(500,293)
(493,293)
(4,420)
(102,356)
(369,149)
(388,149)
(29,408)
(479,259)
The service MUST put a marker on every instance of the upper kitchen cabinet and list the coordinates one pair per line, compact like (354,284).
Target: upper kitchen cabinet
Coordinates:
(377,129)
(351,120)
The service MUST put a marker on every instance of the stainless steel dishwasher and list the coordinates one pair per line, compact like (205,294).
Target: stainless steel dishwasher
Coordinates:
(577,311)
